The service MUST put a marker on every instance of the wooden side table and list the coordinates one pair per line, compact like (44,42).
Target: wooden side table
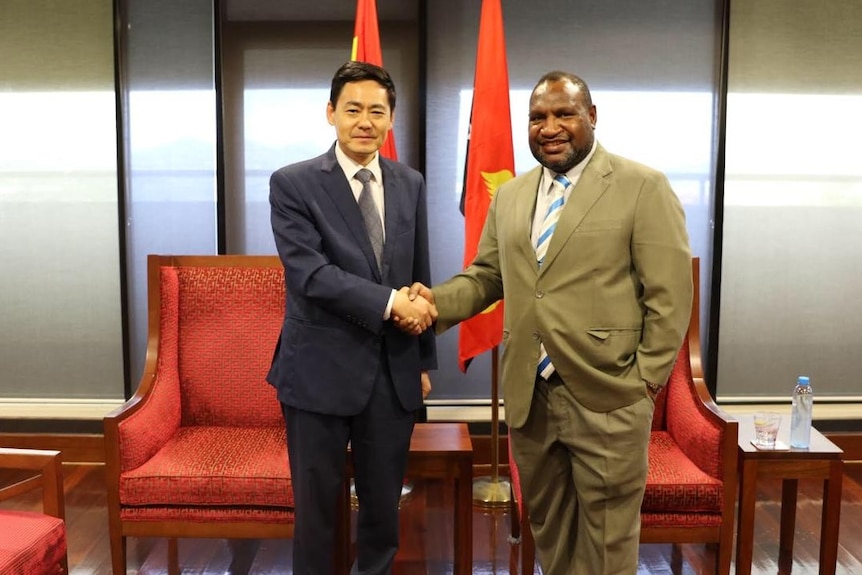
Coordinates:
(822,460)
(437,451)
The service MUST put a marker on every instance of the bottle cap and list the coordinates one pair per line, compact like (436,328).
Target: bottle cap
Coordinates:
(802,380)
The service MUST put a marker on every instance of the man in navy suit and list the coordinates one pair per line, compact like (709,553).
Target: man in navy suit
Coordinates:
(343,370)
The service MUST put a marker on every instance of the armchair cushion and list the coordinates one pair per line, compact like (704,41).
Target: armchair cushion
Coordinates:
(674,483)
(213,466)
(31,543)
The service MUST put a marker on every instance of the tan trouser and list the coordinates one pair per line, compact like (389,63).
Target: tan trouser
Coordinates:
(583,476)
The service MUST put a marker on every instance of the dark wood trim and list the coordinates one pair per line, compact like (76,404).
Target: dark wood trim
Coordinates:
(849,442)
(714,291)
(218,82)
(76,448)
(121,86)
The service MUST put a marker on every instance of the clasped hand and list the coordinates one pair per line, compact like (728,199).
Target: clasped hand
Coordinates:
(413,310)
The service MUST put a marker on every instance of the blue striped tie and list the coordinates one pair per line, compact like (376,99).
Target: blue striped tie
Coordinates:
(552,216)
(549,224)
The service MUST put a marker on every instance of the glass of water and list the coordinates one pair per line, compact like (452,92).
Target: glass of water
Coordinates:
(766,425)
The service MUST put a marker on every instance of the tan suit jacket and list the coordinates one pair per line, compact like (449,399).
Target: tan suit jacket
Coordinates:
(612,300)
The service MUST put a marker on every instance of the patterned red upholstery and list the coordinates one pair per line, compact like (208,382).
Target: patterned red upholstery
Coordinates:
(146,430)
(684,474)
(189,446)
(31,543)
(214,466)
(697,436)
(675,484)
(203,440)
(229,322)
(208,514)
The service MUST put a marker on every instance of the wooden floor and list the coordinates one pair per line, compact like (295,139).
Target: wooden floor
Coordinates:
(427,537)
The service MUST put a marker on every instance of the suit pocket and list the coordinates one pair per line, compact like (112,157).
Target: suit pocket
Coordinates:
(599,226)
(613,349)
(601,334)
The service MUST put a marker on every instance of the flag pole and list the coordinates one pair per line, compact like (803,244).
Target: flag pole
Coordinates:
(493,491)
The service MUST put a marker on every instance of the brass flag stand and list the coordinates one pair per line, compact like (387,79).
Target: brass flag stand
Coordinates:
(493,491)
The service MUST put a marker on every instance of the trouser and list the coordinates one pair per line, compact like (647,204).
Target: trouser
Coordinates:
(583,476)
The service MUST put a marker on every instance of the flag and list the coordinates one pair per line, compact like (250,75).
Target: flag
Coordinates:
(490,163)
(366,48)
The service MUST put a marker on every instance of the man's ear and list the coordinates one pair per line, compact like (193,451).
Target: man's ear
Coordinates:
(330,113)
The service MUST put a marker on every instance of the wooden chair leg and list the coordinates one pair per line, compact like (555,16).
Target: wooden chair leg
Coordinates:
(515,519)
(173,557)
(118,550)
(675,559)
(724,550)
(242,553)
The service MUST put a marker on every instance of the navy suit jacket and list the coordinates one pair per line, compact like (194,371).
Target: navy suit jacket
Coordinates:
(334,335)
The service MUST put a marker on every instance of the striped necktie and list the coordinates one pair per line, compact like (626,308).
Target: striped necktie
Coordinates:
(552,216)
(370,214)
(545,368)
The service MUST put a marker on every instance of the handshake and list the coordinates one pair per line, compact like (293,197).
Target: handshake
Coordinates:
(413,310)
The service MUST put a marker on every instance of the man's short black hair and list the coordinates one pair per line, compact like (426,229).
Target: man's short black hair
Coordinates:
(354,71)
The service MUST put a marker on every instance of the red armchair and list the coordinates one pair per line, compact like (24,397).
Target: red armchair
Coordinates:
(199,450)
(692,481)
(33,542)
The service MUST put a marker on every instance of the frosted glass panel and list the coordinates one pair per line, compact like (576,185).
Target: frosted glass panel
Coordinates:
(60,318)
(281,126)
(792,202)
(793,215)
(171,136)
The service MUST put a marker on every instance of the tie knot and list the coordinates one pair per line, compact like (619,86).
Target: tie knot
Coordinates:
(364,175)
(562,180)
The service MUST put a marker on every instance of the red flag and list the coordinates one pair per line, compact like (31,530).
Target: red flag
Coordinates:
(490,163)
(366,48)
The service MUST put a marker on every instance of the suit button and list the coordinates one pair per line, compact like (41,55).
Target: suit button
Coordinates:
(540,294)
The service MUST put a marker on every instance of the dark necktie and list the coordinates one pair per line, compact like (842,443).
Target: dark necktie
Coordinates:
(370,215)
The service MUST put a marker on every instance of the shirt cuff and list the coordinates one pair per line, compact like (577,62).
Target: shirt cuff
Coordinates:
(388,312)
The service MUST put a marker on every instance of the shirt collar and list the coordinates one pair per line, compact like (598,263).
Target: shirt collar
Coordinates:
(574,174)
(349,167)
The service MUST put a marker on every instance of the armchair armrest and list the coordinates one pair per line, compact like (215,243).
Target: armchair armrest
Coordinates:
(141,426)
(705,434)
(50,478)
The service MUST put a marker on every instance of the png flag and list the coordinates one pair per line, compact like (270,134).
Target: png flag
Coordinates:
(366,48)
(490,163)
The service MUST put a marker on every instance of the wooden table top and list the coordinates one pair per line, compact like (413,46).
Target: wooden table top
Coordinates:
(431,438)
(820,447)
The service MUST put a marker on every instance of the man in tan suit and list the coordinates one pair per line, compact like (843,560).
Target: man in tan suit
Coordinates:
(596,275)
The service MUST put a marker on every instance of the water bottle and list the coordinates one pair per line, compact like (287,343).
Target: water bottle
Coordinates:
(800,415)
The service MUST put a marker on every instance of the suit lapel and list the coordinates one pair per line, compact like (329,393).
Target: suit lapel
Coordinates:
(392,205)
(525,209)
(590,187)
(338,189)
